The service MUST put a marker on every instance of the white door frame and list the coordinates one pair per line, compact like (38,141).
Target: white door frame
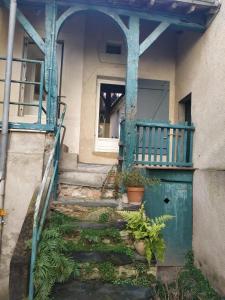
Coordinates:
(105,144)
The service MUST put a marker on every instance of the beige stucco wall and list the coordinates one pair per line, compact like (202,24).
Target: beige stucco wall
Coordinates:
(157,63)
(24,173)
(200,70)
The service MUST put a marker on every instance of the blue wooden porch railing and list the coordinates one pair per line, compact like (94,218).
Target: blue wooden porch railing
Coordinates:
(160,144)
(45,191)
(39,124)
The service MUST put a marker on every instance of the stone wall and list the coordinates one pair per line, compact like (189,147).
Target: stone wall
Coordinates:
(24,173)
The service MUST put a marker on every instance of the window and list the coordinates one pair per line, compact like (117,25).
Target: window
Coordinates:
(113,48)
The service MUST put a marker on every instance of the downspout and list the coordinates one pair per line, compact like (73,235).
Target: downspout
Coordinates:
(5,117)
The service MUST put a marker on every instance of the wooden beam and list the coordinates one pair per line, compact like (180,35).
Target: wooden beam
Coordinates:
(182,21)
(28,27)
(153,37)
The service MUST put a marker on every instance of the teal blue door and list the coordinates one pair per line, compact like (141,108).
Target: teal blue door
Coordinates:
(173,198)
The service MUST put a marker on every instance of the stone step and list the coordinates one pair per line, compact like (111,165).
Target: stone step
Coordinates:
(84,192)
(93,225)
(68,162)
(100,291)
(117,259)
(97,203)
(82,178)
(87,202)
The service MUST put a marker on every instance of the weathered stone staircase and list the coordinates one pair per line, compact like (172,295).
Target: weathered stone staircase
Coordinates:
(109,267)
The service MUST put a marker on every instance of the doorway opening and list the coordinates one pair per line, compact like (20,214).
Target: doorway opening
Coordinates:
(110,112)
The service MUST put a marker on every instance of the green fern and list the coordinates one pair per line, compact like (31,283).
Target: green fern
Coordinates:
(141,227)
(52,264)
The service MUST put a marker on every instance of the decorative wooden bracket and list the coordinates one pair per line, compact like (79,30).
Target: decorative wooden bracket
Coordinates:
(153,37)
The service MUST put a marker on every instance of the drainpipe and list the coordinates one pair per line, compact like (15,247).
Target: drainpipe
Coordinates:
(5,117)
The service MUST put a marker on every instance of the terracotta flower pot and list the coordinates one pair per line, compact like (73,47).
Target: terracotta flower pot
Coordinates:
(135,194)
(140,247)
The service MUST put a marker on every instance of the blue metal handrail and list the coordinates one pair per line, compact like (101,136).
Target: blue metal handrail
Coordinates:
(44,194)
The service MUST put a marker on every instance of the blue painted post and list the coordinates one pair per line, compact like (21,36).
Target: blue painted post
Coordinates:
(50,62)
(131,88)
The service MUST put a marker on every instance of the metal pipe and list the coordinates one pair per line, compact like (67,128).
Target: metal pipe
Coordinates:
(5,118)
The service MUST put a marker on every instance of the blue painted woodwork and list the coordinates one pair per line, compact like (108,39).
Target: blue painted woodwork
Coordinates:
(112,13)
(153,37)
(161,144)
(172,196)
(40,83)
(131,34)
(50,62)
(180,21)
(131,88)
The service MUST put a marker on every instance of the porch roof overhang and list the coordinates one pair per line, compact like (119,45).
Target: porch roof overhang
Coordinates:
(184,14)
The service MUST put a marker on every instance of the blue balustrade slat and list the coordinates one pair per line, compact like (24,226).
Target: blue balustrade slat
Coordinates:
(167,145)
(162,144)
(185,145)
(191,147)
(179,145)
(156,143)
(144,143)
(173,145)
(137,142)
(150,145)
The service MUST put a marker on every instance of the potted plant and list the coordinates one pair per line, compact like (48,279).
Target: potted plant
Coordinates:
(147,233)
(135,183)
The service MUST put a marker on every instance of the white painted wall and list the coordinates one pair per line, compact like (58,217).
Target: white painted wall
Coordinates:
(200,70)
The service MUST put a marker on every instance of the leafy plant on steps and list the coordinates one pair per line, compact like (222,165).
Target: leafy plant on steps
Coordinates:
(189,285)
(134,178)
(142,228)
(52,264)
(104,218)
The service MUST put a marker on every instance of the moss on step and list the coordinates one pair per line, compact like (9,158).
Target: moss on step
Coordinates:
(62,238)
(99,247)
(133,274)
(91,214)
